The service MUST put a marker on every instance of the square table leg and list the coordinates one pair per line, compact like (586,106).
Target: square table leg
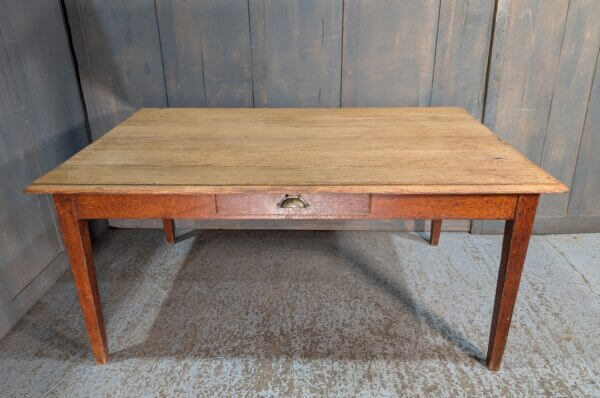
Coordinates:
(169,227)
(77,241)
(514,250)
(434,235)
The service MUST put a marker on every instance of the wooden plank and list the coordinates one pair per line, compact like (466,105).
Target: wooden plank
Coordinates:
(302,150)
(461,55)
(443,207)
(202,206)
(143,206)
(118,51)
(13,308)
(525,54)
(182,53)
(388,52)
(42,124)
(296,52)
(315,204)
(586,183)
(207,54)
(571,97)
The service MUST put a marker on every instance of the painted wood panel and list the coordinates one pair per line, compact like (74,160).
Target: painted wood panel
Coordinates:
(543,58)
(461,55)
(42,124)
(570,99)
(206,52)
(525,54)
(118,50)
(355,53)
(388,52)
(585,197)
(296,52)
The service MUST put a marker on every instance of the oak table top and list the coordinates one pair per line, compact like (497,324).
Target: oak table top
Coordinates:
(331,150)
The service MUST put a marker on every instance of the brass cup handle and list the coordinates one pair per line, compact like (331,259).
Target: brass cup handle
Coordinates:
(292,202)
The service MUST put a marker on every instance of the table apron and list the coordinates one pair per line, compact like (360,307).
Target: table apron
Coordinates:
(204,206)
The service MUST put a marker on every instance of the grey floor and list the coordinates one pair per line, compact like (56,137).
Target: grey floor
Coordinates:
(304,313)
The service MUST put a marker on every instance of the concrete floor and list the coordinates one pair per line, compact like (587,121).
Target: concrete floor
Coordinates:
(304,313)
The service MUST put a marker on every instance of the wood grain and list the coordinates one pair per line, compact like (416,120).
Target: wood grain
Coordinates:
(570,100)
(514,250)
(79,247)
(368,150)
(263,206)
(461,55)
(42,124)
(206,52)
(250,205)
(525,55)
(586,183)
(388,52)
(479,207)
(296,52)
(143,206)
(119,58)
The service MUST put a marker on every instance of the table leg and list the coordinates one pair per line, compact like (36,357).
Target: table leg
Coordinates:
(77,241)
(434,235)
(514,250)
(169,227)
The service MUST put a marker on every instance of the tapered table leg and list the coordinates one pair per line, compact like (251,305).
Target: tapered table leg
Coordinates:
(76,237)
(514,250)
(434,235)
(169,227)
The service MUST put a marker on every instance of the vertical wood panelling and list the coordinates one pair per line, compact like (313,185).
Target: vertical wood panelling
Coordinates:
(118,51)
(525,57)
(461,55)
(26,222)
(357,53)
(42,124)
(585,197)
(296,52)
(207,55)
(570,99)
(182,53)
(388,52)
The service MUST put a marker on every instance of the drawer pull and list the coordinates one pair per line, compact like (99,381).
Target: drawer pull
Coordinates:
(292,202)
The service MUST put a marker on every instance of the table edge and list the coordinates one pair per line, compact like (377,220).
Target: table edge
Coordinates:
(238,189)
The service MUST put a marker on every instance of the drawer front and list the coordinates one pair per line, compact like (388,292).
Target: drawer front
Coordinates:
(275,204)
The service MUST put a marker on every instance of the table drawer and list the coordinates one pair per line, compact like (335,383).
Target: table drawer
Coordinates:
(285,204)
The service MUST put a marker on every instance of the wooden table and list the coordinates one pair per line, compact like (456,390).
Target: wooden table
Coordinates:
(351,163)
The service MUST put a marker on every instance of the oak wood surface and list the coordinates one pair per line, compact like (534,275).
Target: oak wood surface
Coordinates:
(343,206)
(76,236)
(317,204)
(514,250)
(349,150)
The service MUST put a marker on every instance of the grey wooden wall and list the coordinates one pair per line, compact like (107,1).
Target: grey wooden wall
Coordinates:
(544,98)
(527,68)
(42,124)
